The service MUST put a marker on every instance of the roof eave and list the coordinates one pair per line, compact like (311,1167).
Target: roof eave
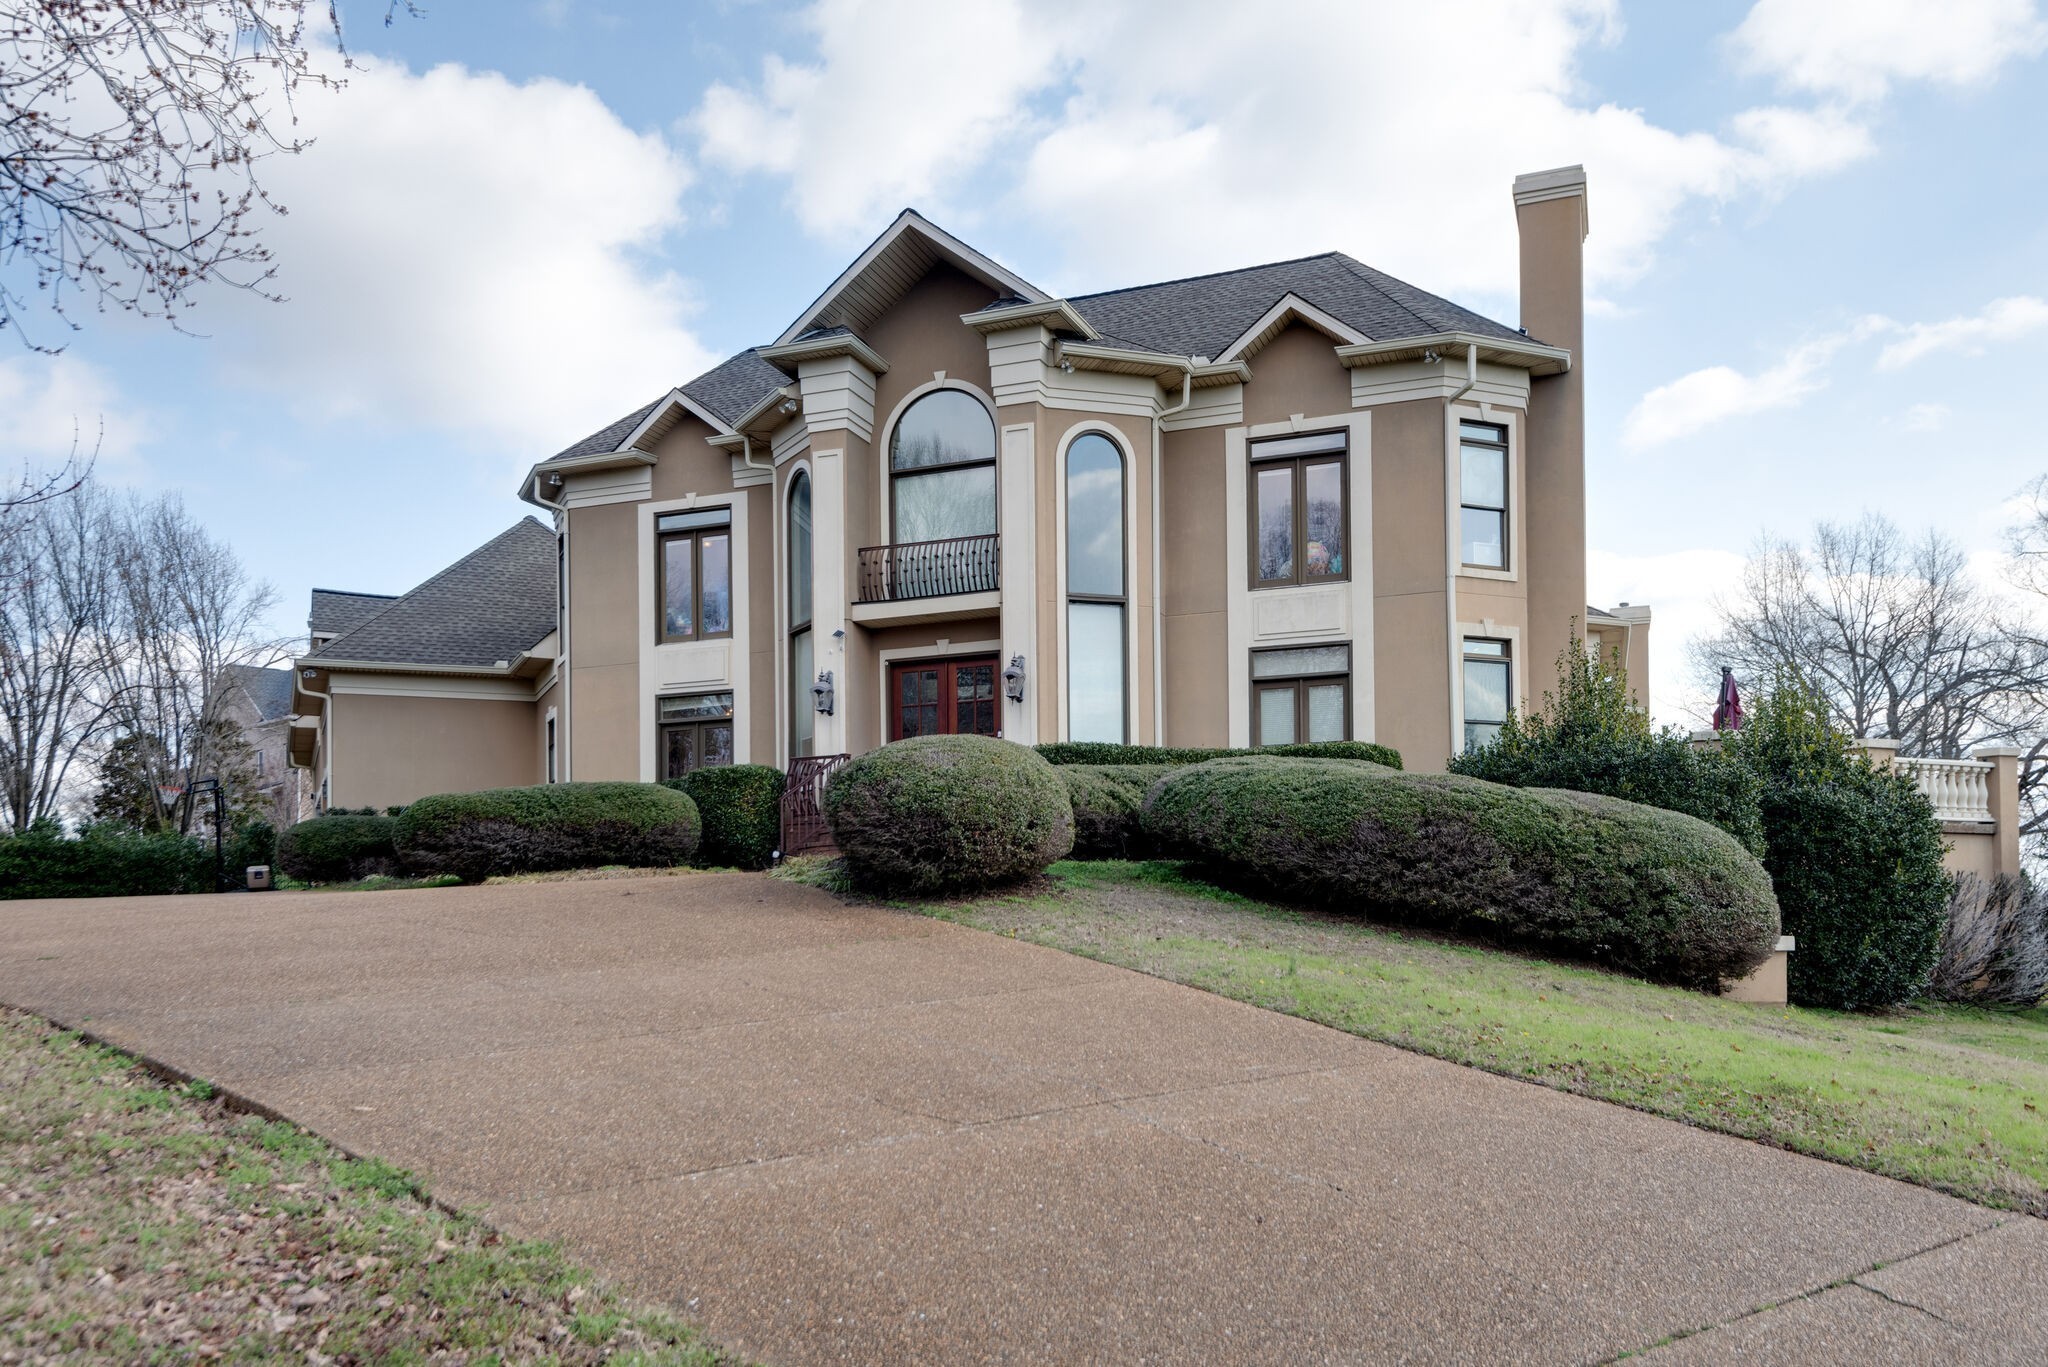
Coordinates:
(824,349)
(947,245)
(1051,313)
(1534,357)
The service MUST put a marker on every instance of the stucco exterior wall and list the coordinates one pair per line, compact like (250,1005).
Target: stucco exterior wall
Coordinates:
(1194,599)
(391,750)
(604,598)
(1411,643)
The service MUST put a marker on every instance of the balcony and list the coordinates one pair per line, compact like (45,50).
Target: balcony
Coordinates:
(897,584)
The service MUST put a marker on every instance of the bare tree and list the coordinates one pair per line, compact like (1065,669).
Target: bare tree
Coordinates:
(1895,633)
(130,132)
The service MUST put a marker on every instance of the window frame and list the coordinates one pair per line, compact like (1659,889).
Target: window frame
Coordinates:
(1505,658)
(1298,463)
(1300,684)
(695,536)
(699,724)
(1507,494)
(800,686)
(1120,601)
(989,462)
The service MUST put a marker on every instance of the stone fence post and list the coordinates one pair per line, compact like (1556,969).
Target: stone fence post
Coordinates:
(2004,783)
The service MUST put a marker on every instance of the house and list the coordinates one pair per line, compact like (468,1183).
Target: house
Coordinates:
(1297,501)
(257,703)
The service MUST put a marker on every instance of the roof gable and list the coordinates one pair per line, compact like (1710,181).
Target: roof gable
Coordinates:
(492,605)
(269,691)
(903,255)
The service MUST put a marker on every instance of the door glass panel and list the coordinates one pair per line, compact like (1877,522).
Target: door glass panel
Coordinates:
(1095,671)
(1323,486)
(1326,711)
(714,744)
(1276,716)
(974,707)
(1276,523)
(803,713)
(677,613)
(1281,664)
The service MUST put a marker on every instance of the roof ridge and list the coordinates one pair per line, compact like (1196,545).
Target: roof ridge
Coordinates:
(428,582)
(355,593)
(1365,275)
(1207,275)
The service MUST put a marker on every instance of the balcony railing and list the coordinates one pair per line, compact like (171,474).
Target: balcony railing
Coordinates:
(929,569)
(1960,789)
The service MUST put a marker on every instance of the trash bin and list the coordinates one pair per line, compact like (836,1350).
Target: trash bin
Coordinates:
(259,877)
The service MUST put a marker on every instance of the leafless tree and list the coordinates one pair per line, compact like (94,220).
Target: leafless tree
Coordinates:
(130,134)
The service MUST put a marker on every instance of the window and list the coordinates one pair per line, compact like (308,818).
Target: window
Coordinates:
(942,469)
(1298,519)
(696,732)
(551,747)
(1489,689)
(1302,693)
(803,665)
(693,570)
(1095,590)
(1483,495)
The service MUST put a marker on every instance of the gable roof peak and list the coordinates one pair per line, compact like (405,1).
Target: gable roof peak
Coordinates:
(897,259)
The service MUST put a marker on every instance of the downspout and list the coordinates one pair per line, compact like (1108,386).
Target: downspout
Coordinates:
(1453,648)
(566,766)
(327,746)
(1187,394)
(747,454)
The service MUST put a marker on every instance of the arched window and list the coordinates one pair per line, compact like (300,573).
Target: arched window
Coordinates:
(1096,594)
(803,718)
(942,469)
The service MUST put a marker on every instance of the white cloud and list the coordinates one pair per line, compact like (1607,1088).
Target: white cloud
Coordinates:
(1680,587)
(1692,403)
(54,404)
(463,253)
(1925,417)
(1148,148)
(1857,49)
(2002,320)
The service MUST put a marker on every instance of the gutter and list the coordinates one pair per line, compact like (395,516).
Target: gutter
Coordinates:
(1187,394)
(326,745)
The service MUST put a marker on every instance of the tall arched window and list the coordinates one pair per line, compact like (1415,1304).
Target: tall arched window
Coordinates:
(1096,594)
(942,469)
(803,718)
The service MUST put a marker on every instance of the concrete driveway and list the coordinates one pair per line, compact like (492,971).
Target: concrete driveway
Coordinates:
(841,1134)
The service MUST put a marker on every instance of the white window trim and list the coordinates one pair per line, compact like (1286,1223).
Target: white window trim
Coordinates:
(660,661)
(885,524)
(785,740)
(1511,420)
(1518,672)
(1122,444)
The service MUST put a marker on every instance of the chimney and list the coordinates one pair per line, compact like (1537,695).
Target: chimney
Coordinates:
(1550,213)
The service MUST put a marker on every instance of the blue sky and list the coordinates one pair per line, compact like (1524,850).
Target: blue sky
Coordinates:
(1819,242)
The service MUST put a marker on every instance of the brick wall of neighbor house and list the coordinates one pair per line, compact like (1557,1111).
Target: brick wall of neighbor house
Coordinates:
(393,750)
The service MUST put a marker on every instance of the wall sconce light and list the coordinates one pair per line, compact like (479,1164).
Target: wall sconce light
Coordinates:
(821,692)
(1013,679)
(309,674)
(790,406)
(555,480)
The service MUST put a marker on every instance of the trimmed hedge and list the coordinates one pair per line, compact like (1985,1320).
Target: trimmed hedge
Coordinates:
(1108,802)
(1097,752)
(1658,894)
(942,814)
(103,861)
(548,826)
(740,806)
(338,848)
(1857,861)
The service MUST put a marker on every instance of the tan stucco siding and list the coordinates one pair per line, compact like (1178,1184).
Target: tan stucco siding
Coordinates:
(1553,310)
(1411,643)
(1194,599)
(607,740)
(1296,372)
(687,464)
(394,750)
(604,606)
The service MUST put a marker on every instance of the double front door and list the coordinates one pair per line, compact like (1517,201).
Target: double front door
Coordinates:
(943,698)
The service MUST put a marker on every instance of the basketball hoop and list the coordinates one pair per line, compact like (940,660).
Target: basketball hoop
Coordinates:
(170,793)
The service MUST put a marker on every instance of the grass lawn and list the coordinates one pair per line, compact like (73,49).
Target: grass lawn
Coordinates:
(144,1223)
(1949,1097)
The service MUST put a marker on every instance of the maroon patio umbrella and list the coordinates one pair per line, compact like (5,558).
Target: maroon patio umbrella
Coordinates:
(1728,707)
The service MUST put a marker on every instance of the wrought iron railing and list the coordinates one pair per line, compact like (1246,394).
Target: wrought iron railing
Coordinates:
(929,569)
(804,830)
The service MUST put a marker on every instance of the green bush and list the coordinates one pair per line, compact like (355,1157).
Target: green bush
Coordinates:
(103,861)
(1855,855)
(1097,752)
(941,814)
(741,808)
(253,842)
(1658,894)
(337,848)
(548,826)
(1108,800)
(1591,737)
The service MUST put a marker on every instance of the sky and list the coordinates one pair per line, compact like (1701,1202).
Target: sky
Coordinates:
(1817,269)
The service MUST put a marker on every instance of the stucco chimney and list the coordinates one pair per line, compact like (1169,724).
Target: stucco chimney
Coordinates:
(1550,212)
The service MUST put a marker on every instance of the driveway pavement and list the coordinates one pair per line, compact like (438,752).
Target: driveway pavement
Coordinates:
(842,1134)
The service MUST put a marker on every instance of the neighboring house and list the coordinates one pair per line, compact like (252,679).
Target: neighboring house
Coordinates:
(435,690)
(258,702)
(1298,501)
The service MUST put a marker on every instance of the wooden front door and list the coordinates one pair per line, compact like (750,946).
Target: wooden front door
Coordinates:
(943,698)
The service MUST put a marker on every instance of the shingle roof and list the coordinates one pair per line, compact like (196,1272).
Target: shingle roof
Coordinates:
(733,388)
(491,605)
(1203,314)
(607,439)
(269,690)
(335,611)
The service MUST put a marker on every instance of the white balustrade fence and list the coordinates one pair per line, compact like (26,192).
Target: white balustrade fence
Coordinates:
(1960,789)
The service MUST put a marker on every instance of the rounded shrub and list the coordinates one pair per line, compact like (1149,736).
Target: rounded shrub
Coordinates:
(941,814)
(740,806)
(549,826)
(337,849)
(1654,893)
(1108,800)
(1096,752)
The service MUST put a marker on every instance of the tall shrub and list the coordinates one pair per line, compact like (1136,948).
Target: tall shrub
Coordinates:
(1855,853)
(102,861)
(1994,947)
(740,806)
(1591,737)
